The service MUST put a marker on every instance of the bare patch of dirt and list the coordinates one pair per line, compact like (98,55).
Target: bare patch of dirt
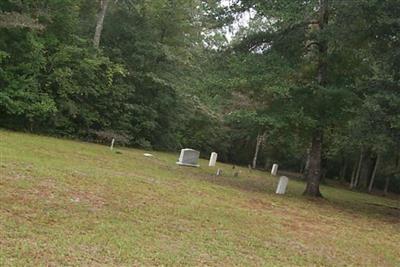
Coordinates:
(87,197)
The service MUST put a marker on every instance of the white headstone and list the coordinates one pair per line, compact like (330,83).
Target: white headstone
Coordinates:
(189,157)
(219,172)
(112,144)
(213,159)
(274,170)
(283,182)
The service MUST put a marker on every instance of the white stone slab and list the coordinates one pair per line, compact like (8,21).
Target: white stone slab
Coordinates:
(213,159)
(112,144)
(274,169)
(189,157)
(283,182)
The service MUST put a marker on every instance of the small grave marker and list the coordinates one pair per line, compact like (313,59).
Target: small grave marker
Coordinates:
(274,170)
(112,144)
(283,182)
(213,159)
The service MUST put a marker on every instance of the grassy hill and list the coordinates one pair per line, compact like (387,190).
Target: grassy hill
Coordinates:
(72,203)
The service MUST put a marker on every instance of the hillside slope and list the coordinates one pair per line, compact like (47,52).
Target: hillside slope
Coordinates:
(72,203)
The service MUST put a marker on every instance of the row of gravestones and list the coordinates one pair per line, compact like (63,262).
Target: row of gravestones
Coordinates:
(190,157)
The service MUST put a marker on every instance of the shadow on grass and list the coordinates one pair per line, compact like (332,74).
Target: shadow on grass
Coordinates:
(387,212)
(249,184)
(353,203)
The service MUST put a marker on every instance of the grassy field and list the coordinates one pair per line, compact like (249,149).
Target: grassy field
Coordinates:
(72,203)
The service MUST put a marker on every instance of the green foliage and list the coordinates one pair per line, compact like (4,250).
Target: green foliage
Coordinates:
(275,64)
(135,88)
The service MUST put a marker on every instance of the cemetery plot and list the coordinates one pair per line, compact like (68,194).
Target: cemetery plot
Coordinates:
(73,203)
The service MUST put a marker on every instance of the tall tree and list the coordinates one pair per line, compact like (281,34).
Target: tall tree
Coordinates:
(314,170)
(100,21)
(297,33)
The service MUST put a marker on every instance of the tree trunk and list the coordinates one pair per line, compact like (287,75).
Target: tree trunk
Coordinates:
(386,189)
(324,170)
(323,46)
(301,169)
(314,172)
(366,171)
(307,165)
(371,183)
(267,164)
(397,169)
(358,168)
(100,22)
(343,170)
(260,139)
(353,176)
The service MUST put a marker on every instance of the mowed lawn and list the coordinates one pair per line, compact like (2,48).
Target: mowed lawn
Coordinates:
(73,203)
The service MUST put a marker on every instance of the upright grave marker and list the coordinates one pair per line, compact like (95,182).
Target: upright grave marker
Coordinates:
(283,182)
(189,157)
(274,170)
(112,144)
(213,159)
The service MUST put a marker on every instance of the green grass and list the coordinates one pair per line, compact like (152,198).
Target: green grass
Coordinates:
(72,203)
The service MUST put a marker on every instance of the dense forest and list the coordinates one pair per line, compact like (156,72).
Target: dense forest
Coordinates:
(313,85)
